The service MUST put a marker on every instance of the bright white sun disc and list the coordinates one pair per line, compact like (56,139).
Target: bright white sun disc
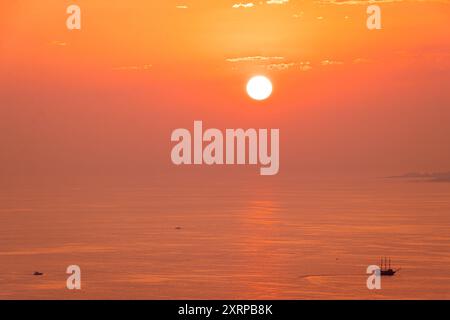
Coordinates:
(259,88)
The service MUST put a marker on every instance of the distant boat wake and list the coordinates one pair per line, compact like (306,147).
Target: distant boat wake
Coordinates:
(331,275)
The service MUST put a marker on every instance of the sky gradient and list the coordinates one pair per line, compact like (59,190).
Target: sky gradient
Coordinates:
(104,99)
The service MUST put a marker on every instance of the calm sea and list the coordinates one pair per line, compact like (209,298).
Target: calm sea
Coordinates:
(217,240)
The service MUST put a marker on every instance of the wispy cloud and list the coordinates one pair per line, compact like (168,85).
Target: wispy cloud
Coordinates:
(424,176)
(305,66)
(59,43)
(243,5)
(272,63)
(330,62)
(277,1)
(253,59)
(302,66)
(182,6)
(280,66)
(251,4)
(362,60)
(280,63)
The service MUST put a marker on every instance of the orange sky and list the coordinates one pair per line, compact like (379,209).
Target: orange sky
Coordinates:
(106,98)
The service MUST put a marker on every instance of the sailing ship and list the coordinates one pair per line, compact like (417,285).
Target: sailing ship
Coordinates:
(386,269)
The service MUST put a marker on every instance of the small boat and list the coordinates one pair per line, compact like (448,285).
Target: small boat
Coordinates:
(37,273)
(386,269)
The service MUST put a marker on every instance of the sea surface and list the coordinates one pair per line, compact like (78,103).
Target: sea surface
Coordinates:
(226,240)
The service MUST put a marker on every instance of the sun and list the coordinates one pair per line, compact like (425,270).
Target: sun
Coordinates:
(259,88)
